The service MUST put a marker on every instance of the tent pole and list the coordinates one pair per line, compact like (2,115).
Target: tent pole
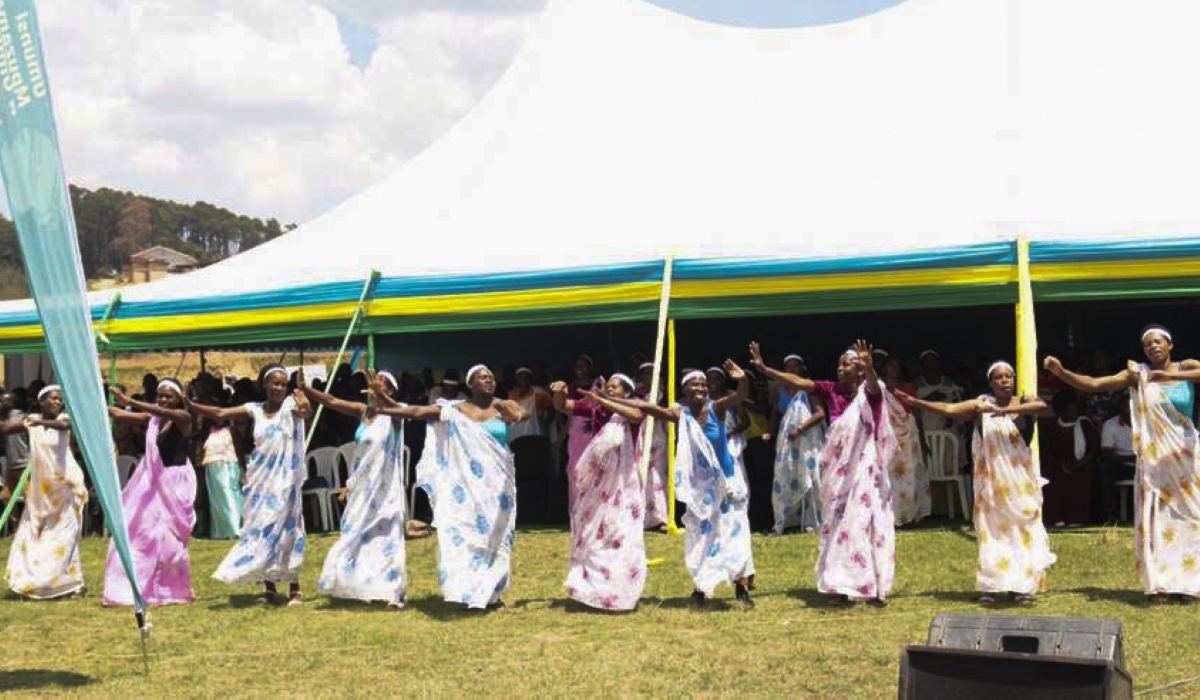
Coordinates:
(1027,369)
(367,292)
(664,304)
(203,361)
(182,358)
(671,528)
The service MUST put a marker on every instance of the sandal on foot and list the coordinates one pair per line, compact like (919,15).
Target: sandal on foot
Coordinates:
(1024,600)
(267,598)
(877,603)
(839,601)
(743,595)
(395,606)
(699,600)
(498,605)
(1158,598)
(987,600)
(295,599)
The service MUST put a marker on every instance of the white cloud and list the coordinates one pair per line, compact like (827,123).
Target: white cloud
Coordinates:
(255,104)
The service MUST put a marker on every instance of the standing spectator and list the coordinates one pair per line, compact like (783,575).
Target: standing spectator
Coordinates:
(1102,405)
(1118,461)
(447,390)
(1069,460)
(16,443)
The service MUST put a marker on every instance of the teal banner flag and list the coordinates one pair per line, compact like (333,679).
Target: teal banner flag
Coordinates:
(31,165)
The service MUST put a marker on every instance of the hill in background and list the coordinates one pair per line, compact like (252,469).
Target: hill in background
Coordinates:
(113,225)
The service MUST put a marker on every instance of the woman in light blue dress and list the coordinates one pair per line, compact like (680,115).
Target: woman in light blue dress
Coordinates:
(367,562)
(468,473)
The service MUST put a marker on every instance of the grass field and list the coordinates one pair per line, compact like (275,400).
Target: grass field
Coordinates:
(541,645)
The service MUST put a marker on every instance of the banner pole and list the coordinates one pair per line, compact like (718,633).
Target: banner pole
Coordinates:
(1027,369)
(367,292)
(664,304)
(672,529)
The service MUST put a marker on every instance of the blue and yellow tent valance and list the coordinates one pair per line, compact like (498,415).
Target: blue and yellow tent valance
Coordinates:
(975,275)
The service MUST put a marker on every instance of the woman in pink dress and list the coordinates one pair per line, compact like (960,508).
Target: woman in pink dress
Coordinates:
(608,555)
(158,502)
(582,426)
(857,559)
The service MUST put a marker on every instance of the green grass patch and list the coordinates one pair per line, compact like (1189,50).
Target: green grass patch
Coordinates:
(542,645)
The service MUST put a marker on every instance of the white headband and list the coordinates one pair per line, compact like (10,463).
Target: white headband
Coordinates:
(451,382)
(471,372)
(1160,331)
(998,365)
(795,357)
(172,384)
(718,370)
(880,351)
(852,353)
(273,370)
(590,361)
(522,370)
(388,376)
(928,352)
(624,380)
(644,365)
(47,389)
(694,374)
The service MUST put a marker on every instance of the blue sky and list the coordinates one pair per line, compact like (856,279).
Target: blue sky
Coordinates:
(361,40)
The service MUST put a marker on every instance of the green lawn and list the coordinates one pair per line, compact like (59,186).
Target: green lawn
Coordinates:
(788,646)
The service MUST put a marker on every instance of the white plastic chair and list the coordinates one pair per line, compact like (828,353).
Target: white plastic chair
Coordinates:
(1125,488)
(943,468)
(323,462)
(125,466)
(347,453)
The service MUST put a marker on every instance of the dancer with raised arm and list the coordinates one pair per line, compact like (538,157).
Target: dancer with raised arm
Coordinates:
(1014,550)
(1166,487)
(857,558)
(271,547)
(708,481)
(468,473)
(608,555)
(367,561)
(44,559)
(799,421)
(158,501)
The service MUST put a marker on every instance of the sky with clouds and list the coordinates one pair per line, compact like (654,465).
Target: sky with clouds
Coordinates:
(286,107)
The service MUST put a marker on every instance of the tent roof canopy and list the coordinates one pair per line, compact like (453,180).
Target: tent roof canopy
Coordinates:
(624,133)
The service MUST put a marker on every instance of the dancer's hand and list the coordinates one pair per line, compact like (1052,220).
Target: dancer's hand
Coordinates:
(733,371)
(558,388)
(300,378)
(119,398)
(864,350)
(1052,365)
(755,355)
(906,399)
(793,434)
(1158,376)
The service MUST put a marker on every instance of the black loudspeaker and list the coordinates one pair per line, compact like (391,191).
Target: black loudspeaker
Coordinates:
(981,657)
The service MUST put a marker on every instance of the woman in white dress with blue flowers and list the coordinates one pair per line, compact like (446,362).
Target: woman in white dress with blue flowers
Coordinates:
(468,472)
(367,562)
(271,547)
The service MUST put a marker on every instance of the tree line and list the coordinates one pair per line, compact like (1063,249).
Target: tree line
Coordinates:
(113,225)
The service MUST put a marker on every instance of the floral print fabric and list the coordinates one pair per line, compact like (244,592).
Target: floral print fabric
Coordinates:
(271,546)
(470,479)
(1166,492)
(718,544)
(367,561)
(44,560)
(1014,550)
(911,497)
(858,550)
(796,488)
(608,555)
